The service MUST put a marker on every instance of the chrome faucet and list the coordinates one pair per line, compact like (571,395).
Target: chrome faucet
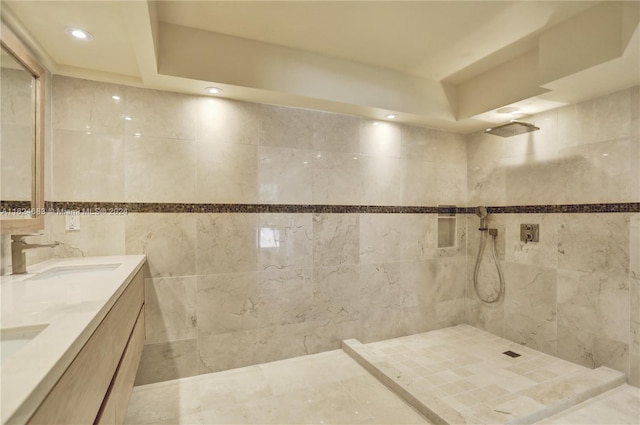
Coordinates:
(18,246)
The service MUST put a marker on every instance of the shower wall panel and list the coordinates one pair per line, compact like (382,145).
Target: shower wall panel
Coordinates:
(575,293)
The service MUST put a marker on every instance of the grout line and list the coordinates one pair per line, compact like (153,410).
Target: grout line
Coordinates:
(390,383)
(600,380)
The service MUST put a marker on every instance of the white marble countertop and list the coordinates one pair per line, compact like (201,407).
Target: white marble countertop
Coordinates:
(71,307)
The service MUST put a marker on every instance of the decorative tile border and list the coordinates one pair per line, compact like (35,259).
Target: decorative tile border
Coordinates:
(628,207)
(148,207)
(118,208)
(15,205)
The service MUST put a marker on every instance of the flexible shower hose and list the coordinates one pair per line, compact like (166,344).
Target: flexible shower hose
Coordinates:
(477,268)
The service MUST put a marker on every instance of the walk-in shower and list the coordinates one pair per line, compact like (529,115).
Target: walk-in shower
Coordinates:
(497,295)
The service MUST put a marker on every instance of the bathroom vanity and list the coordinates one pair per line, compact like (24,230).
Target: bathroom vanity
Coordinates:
(72,337)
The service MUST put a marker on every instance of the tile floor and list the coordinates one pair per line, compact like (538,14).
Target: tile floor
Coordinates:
(460,375)
(459,372)
(618,406)
(325,388)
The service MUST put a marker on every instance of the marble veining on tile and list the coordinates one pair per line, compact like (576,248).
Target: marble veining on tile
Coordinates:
(336,239)
(226,243)
(363,200)
(159,169)
(235,164)
(618,406)
(81,105)
(459,385)
(285,241)
(98,172)
(285,175)
(168,240)
(316,389)
(170,309)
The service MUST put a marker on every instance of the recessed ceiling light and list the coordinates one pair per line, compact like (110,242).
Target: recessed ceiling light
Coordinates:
(213,90)
(391,116)
(128,118)
(115,97)
(78,33)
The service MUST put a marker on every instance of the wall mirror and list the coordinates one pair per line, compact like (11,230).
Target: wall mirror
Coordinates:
(22,82)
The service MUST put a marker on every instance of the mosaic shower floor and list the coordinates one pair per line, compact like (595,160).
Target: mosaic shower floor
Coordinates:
(461,375)
(453,375)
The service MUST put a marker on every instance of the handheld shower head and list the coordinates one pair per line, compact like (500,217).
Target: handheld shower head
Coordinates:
(481,211)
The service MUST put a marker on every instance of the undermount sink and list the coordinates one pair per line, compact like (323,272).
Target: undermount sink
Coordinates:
(13,339)
(65,271)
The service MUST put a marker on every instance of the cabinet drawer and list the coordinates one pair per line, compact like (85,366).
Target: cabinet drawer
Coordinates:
(77,396)
(115,405)
(124,314)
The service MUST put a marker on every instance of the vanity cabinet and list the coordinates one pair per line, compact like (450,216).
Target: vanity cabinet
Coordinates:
(96,387)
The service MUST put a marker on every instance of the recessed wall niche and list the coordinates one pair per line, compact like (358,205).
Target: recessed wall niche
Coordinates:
(446,226)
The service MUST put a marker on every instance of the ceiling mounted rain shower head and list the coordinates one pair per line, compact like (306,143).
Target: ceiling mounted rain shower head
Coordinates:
(512,128)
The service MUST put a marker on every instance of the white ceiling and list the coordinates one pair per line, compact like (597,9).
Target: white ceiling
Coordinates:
(443,64)
(427,39)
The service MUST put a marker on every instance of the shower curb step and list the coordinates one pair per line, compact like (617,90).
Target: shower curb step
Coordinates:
(361,354)
(593,382)
(583,385)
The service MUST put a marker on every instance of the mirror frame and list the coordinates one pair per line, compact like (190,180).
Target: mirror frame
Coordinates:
(10,41)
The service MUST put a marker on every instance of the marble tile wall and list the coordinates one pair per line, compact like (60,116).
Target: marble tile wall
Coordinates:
(225,290)
(575,293)
(229,289)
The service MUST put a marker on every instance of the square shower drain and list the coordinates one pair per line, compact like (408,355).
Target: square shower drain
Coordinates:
(511,354)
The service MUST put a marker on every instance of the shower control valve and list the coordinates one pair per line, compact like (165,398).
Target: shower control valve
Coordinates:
(529,233)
